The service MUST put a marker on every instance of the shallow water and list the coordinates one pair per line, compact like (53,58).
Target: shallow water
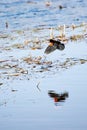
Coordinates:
(25,14)
(28,107)
(27,75)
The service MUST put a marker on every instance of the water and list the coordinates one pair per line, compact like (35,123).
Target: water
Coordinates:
(24,99)
(22,14)
(31,108)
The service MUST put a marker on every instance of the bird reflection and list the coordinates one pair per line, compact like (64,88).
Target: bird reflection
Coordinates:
(58,97)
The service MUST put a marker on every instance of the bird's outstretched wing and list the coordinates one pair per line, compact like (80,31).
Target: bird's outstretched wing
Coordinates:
(61,46)
(50,49)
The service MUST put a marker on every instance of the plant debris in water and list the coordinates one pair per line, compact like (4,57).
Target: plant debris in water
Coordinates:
(11,66)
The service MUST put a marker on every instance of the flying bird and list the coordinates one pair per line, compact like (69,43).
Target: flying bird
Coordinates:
(54,44)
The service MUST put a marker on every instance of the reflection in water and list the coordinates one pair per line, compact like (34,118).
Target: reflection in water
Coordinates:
(58,97)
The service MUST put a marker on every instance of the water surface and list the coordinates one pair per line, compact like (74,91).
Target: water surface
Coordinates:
(25,84)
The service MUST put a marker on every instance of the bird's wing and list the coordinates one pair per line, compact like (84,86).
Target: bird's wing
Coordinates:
(50,49)
(61,46)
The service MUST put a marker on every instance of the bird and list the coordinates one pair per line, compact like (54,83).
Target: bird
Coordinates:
(54,44)
(58,97)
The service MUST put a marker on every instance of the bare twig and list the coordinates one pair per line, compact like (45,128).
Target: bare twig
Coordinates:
(38,86)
